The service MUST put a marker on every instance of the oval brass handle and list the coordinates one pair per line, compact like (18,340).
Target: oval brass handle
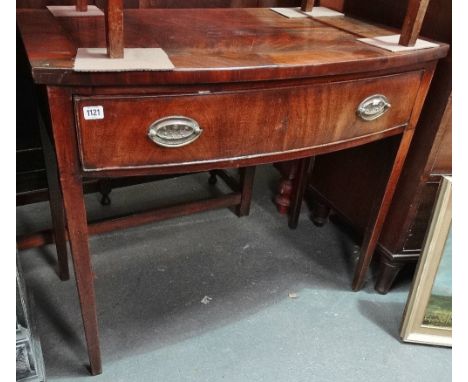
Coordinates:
(373,107)
(174,131)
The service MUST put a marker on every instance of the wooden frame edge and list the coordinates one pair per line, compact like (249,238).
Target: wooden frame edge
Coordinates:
(411,329)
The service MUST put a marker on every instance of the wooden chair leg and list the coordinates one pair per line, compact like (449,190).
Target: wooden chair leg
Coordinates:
(307,5)
(413,21)
(56,203)
(288,171)
(283,198)
(299,187)
(114,28)
(247,175)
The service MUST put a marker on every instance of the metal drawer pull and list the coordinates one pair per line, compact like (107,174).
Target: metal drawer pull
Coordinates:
(174,131)
(373,107)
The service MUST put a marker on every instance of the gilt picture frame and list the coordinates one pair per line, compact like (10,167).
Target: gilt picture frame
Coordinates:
(427,317)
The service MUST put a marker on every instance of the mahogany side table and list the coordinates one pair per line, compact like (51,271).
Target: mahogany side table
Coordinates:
(253,86)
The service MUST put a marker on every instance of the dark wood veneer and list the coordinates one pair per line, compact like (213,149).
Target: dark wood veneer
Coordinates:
(413,21)
(278,118)
(280,48)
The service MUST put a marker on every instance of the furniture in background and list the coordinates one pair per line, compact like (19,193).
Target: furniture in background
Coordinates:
(339,183)
(290,107)
(30,169)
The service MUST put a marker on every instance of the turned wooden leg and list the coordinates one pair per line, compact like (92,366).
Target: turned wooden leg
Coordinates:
(71,183)
(283,198)
(288,172)
(59,229)
(388,271)
(299,187)
(320,213)
(105,188)
(247,175)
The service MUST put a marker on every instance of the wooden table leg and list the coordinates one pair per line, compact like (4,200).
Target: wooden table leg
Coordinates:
(379,213)
(300,183)
(55,202)
(247,175)
(380,210)
(78,236)
(62,121)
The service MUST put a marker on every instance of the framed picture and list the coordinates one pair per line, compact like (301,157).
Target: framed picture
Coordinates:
(428,314)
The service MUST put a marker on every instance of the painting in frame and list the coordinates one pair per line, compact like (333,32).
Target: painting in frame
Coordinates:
(428,314)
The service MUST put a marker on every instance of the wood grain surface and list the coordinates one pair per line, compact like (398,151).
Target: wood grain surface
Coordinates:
(264,122)
(114,28)
(413,21)
(209,45)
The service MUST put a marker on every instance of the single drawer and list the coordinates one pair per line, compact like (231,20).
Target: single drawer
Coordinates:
(120,131)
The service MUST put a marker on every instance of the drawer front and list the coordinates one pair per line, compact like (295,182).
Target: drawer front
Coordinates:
(120,131)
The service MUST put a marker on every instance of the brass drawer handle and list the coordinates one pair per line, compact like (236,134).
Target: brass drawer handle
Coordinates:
(373,107)
(174,131)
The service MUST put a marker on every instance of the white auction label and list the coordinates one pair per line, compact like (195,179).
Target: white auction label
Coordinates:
(93,112)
